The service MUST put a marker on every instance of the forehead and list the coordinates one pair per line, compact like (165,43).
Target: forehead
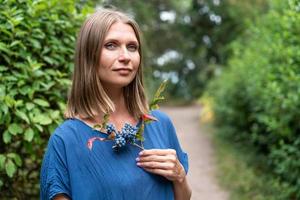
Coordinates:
(120,30)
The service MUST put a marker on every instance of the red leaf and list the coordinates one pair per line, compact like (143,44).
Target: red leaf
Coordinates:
(147,117)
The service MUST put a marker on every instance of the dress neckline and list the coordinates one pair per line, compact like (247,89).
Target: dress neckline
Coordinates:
(91,126)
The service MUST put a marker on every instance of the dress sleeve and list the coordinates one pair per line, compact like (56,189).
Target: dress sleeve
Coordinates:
(54,177)
(182,156)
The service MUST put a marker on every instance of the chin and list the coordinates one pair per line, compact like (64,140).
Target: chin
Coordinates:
(118,84)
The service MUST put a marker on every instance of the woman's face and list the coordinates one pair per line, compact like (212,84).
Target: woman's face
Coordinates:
(120,58)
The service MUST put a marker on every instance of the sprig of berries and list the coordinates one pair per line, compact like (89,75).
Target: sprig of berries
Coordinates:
(129,134)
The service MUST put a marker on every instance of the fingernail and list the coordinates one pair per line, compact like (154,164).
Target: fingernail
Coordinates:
(138,163)
(137,159)
(141,153)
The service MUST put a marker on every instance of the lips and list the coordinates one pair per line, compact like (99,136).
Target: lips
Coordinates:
(123,68)
(123,71)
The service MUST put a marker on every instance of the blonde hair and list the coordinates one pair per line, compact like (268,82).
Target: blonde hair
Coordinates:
(88,97)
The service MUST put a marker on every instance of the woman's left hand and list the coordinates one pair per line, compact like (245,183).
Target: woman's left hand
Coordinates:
(163,162)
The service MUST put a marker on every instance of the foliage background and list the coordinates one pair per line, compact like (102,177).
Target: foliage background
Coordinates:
(256,99)
(36,60)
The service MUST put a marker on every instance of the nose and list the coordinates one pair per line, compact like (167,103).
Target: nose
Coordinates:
(124,55)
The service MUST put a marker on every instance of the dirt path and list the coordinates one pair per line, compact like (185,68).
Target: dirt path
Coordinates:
(201,174)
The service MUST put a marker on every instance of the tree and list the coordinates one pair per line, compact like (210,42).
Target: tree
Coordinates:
(187,41)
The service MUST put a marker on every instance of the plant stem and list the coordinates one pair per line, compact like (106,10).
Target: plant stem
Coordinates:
(141,147)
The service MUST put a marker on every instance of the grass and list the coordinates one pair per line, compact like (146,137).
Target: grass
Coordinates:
(242,172)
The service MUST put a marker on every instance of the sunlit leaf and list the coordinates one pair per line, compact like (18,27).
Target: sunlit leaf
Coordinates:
(42,119)
(29,106)
(22,115)
(29,133)
(6,137)
(55,114)
(14,129)
(41,102)
(10,168)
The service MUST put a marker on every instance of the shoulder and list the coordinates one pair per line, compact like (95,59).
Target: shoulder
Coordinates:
(69,125)
(67,130)
(161,116)
(163,120)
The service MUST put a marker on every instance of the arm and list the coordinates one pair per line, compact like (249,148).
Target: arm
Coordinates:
(54,181)
(182,189)
(164,162)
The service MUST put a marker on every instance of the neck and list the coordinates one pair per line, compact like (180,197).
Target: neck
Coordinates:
(117,96)
(121,113)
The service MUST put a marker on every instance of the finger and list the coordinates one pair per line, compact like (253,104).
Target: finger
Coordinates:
(166,173)
(157,165)
(157,152)
(169,174)
(156,158)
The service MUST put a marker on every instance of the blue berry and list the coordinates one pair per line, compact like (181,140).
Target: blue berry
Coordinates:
(129,133)
(126,136)
(119,141)
(110,128)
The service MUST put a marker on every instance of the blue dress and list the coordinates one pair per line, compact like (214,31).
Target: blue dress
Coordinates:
(70,167)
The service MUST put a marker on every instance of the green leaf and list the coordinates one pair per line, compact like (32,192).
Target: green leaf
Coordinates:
(54,114)
(42,119)
(14,129)
(49,60)
(22,115)
(39,127)
(140,133)
(97,126)
(1,183)
(157,97)
(161,89)
(41,102)
(6,137)
(35,43)
(2,69)
(105,121)
(45,120)
(9,101)
(11,155)
(154,107)
(25,90)
(10,168)
(4,108)
(5,48)
(3,30)
(16,42)
(29,133)
(2,161)
(19,103)
(2,91)
(16,158)
(29,106)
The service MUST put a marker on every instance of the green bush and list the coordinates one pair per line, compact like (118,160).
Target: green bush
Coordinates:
(258,97)
(36,58)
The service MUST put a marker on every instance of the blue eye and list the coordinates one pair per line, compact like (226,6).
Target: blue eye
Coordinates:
(132,47)
(110,46)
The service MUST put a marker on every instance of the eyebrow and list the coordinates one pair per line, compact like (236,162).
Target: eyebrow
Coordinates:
(116,40)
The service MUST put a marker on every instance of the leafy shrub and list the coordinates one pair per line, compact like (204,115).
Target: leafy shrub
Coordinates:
(258,96)
(36,58)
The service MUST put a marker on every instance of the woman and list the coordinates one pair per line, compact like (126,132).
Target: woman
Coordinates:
(108,80)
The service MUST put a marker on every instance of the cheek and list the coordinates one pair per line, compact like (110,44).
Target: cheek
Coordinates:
(137,61)
(107,59)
